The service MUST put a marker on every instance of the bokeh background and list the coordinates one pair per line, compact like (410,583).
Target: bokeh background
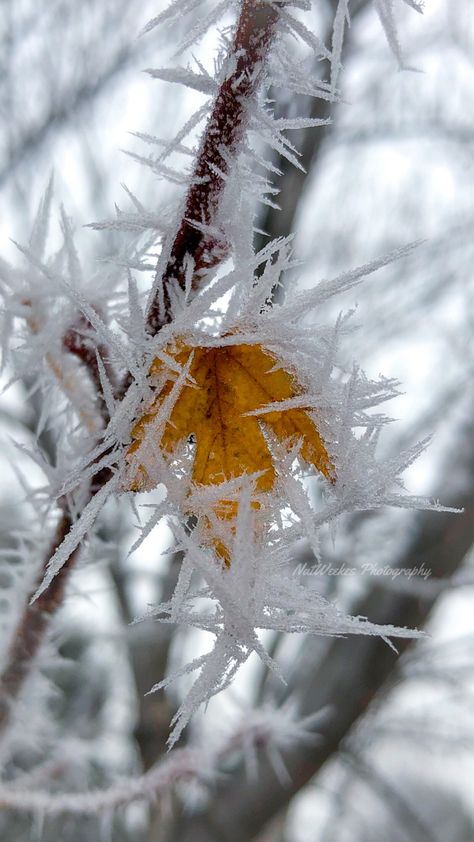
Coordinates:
(396,165)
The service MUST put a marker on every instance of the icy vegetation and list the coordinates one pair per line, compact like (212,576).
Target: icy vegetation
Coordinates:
(124,381)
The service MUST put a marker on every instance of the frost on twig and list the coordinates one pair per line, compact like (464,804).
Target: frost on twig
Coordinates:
(191,771)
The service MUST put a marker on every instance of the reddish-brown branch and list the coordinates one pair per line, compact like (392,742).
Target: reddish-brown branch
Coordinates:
(77,342)
(36,617)
(34,622)
(32,626)
(223,135)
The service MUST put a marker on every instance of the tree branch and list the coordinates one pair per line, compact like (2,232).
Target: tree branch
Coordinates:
(35,618)
(221,142)
(32,627)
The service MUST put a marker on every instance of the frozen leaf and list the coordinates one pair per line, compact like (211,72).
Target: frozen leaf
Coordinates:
(223,405)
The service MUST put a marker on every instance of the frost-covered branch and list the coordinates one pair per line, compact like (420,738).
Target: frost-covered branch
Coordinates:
(93,413)
(32,627)
(263,733)
(240,77)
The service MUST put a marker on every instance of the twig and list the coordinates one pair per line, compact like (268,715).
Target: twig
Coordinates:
(32,626)
(221,142)
(186,764)
(76,341)
(36,616)
(181,765)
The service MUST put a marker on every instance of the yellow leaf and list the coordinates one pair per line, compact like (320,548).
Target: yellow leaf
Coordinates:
(229,382)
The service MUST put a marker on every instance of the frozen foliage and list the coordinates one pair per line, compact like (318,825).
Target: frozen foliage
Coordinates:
(89,344)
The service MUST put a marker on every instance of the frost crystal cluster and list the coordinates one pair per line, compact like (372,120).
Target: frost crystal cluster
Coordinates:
(225,399)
